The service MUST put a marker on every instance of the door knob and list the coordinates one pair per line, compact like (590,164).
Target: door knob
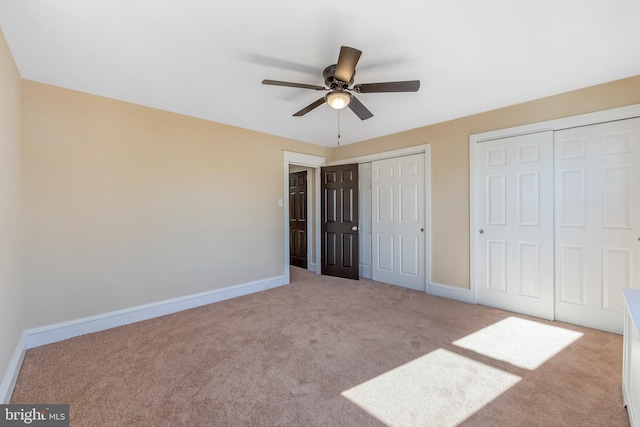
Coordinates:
(354,228)
(481,231)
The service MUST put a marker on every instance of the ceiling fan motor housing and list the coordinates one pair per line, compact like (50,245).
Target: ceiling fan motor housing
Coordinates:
(330,81)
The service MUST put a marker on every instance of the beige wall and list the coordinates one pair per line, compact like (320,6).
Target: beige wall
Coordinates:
(11,284)
(450,162)
(128,205)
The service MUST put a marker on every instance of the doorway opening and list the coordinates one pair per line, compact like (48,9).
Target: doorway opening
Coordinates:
(298,218)
(296,162)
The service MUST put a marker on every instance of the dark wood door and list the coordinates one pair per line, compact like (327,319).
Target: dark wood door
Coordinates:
(298,219)
(339,228)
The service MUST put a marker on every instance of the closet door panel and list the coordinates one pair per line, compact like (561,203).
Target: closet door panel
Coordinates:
(597,203)
(398,221)
(514,209)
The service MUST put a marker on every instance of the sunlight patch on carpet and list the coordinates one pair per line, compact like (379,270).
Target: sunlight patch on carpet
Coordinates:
(438,389)
(520,342)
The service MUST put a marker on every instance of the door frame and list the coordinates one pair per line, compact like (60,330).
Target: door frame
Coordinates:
(308,208)
(424,149)
(603,116)
(315,163)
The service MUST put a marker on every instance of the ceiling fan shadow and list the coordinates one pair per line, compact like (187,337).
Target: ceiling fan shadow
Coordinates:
(269,61)
(383,63)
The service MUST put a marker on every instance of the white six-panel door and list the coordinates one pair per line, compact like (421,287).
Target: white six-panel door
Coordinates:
(514,210)
(597,210)
(398,221)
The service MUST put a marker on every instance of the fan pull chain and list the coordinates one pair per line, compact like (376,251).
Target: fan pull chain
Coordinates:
(338,128)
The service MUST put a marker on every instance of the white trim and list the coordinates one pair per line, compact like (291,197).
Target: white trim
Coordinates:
(316,162)
(304,159)
(427,215)
(11,374)
(318,221)
(613,114)
(450,292)
(49,334)
(73,328)
(311,265)
(630,405)
(417,149)
(473,278)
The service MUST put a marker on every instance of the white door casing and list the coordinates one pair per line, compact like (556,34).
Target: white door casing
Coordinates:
(291,158)
(597,193)
(398,221)
(514,223)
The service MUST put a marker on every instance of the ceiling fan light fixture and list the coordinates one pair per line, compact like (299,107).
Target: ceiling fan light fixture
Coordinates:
(338,99)
(338,79)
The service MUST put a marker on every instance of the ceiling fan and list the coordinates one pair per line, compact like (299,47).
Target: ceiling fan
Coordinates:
(338,78)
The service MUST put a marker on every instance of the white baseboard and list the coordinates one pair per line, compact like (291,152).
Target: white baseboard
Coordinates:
(31,338)
(11,374)
(448,291)
(631,406)
(62,331)
(312,267)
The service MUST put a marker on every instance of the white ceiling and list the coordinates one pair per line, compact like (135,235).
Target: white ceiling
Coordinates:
(207,58)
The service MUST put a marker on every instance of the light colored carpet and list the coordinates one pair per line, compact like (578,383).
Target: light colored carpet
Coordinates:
(331,352)
(439,389)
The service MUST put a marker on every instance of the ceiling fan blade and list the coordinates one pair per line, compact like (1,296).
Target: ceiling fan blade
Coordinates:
(289,84)
(346,65)
(406,86)
(360,110)
(310,107)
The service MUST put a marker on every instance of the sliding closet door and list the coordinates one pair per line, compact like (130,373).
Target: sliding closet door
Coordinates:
(398,221)
(597,229)
(514,218)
